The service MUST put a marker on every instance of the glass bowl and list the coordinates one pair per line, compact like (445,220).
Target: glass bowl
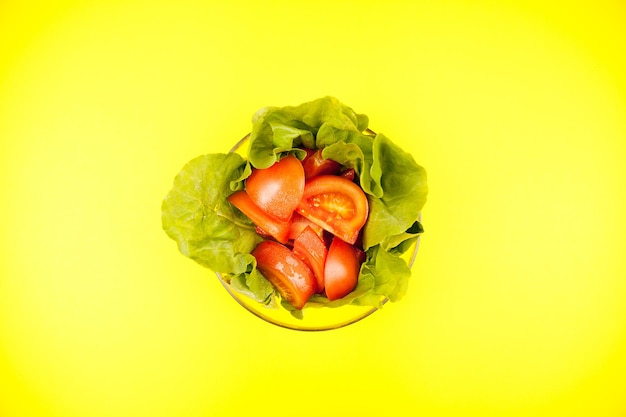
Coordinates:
(314,318)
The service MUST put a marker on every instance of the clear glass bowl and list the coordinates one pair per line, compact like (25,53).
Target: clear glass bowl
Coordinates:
(314,318)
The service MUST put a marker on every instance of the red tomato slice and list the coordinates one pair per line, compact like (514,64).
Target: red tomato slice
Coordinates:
(276,228)
(286,272)
(314,164)
(262,233)
(299,223)
(348,174)
(310,247)
(341,271)
(277,190)
(335,203)
(361,256)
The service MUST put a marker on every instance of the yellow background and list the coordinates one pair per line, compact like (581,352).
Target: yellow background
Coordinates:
(517,109)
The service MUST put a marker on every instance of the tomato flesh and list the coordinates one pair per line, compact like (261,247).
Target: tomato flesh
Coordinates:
(299,223)
(312,213)
(278,229)
(277,190)
(291,277)
(310,247)
(341,270)
(348,174)
(336,204)
(314,164)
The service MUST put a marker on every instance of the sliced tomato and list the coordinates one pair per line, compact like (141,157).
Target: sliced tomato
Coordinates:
(341,270)
(291,277)
(299,223)
(336,204)
(348,174)
(361,256)
(262,232)
(278,229)
(277,189)
(310,247)
(315,164)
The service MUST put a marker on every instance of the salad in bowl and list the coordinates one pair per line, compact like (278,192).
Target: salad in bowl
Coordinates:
(311,211)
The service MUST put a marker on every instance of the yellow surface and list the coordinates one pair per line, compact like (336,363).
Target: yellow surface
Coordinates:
(517,109)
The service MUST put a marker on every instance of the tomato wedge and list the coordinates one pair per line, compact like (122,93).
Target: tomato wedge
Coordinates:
(348,174)
(286,272)
(314,164)
(299,223)
(278,229)
(341,270)
(277,190)
(310,247)
(336,204)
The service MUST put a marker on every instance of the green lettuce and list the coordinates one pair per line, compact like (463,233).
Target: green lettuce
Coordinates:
(280,130)
(196,214)
(208,229)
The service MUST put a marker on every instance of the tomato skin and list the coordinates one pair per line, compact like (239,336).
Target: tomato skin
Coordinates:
(277,190)
(361,256)
(348,174)
(341,271)
(336,204)
(314,164)
(310,247)
(291,277)
(262,233)
(278,229)
(299,223)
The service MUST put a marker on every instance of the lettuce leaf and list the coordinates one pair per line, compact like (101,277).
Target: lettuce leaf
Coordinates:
(196,214)
(205,226)
(280,130)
